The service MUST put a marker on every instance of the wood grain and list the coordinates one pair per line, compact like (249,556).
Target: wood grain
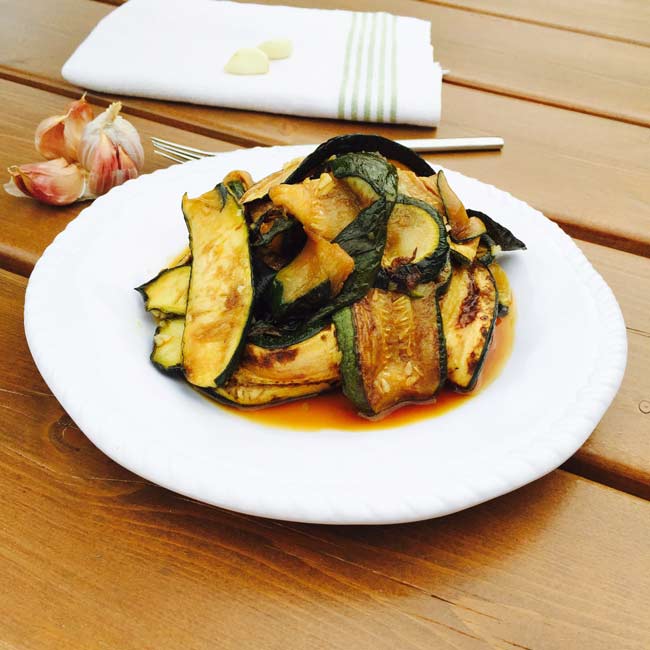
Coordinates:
(27,226)
(108,560)
(622,20)
(606,77)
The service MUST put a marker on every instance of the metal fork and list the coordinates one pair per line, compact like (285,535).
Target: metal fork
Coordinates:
(181,153)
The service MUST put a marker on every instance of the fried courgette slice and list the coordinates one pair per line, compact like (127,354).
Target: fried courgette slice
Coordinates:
(416,244)
(167,352)
(310,280)
(392,349)
(220,293)
(469,312)
(503,287)
(314,360)
(167,292)
(243,395)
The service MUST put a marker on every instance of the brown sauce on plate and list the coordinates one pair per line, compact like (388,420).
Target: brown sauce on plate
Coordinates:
(334,411)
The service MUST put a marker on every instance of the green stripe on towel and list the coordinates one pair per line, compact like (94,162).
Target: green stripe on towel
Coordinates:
(346,68)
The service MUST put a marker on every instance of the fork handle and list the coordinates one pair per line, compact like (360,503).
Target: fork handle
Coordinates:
(454,144)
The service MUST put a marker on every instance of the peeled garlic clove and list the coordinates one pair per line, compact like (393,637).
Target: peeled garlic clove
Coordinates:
(248,60)
(277,48)
(110,150)
(59,135)
(56,182)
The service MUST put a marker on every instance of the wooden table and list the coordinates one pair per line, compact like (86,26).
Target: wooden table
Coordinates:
(94,557)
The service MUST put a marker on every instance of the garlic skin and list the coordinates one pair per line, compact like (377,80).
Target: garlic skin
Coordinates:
(59,136)
(55,182)
(111,150)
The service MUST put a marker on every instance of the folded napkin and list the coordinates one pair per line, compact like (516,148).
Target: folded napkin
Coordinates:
(373,67)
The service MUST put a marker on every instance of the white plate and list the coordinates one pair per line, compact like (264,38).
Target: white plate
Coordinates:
(91,339)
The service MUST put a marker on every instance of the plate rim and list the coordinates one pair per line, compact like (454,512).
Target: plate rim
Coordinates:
(571,430)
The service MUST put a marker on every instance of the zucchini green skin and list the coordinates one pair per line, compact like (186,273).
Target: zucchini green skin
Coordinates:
(206,351)
(167,354)
(364,240)
(489,252)
(171,305)
(352,380)
(305,304)
(425,269)
(344,144)
(499,234)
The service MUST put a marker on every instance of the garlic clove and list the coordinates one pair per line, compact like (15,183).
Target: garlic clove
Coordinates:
(248,60)
(59,135)
(110,150)
(56,182)
(277,48)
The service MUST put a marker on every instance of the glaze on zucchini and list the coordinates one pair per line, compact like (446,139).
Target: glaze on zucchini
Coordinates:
(469,312)
(220,294)
(167,345)
(392,349)
(167,292)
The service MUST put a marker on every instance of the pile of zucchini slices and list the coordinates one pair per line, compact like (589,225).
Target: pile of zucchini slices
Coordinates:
(357,266)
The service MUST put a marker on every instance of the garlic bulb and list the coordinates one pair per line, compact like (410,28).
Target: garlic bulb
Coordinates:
(56,182)
(58,136)
(111,151)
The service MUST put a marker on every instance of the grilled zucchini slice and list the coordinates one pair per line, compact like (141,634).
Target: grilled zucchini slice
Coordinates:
(220,293)
(392,349)
(323,205)
(310,280)
(167,352)
(464,253)
(167,292)
(251,395)
(416,244)
(503,288)
(314,360)
(469,312)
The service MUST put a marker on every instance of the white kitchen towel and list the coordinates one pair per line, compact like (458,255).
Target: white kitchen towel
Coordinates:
(372,67)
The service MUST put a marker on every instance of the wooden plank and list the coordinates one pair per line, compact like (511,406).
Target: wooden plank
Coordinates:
(576,71)
(27,226)
(109,560)
(627,21)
